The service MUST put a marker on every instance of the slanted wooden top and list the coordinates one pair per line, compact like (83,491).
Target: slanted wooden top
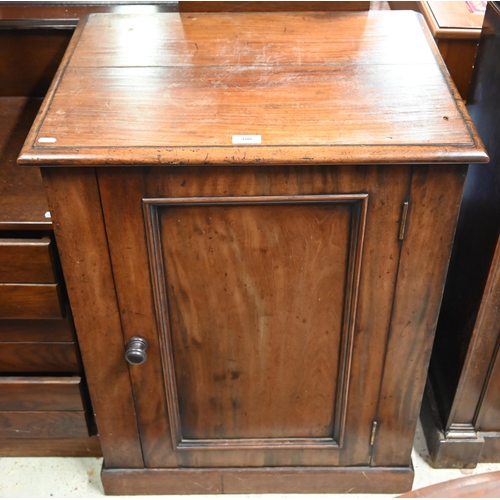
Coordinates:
(325,88)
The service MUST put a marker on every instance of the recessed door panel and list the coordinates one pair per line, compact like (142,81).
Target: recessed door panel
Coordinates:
(258,297)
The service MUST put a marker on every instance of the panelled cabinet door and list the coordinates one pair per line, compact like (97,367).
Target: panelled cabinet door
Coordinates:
(265,302)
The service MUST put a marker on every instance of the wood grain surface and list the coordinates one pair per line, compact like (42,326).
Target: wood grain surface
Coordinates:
(34,330)
(114,103)
(421,275)
(61,447)
(40,394)
(43,424)
(30,301)
(265,6)
(122,191)
(261,480)
(83,251)
(23,203)
(26,261)
(38,357)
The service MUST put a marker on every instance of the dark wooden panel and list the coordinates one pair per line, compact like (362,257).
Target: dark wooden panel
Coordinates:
(266,6)
(63,447)
(42,424)
(20,357)
(26,261)
(81,238)
(459,56)
(23,203)
(37,330)
(40,394)
(29,60)
(257,480)
(30,301)
(282,299)
(429,232)
(56,14)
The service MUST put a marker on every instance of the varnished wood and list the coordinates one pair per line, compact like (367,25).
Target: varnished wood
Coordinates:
(30,301)
(59,14)
(452,20)
(62,447)
(456,31)
(34,357)
(266,6)
(430,228)
(26,261)
(484,485)
(210,79)
(260,480)
(42,424)
(95,309)
(40,394)
(29,60)
(145,249)
(127,223)
(23,203)
(31,330)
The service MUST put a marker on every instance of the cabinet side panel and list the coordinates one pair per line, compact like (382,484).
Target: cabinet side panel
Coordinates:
(81,239)
(434,203)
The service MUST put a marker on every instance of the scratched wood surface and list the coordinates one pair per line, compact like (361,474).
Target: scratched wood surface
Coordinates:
(162,89)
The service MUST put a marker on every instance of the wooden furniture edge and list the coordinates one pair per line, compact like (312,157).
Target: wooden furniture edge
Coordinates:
(446,33)
(445,452)
(83,447)
(257,480)
(90,285)
(415,293)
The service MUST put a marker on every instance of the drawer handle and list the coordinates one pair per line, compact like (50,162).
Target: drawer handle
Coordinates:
(136,351)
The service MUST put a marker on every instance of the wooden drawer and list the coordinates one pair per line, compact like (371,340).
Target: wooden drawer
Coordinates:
(40,394)
(38,357)
(26,260)
(37,330)
(30,301)
(43,424)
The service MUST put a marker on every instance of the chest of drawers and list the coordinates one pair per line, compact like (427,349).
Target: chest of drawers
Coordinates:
(260,209)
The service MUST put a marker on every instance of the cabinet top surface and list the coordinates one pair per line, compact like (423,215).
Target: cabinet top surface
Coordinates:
(295,88)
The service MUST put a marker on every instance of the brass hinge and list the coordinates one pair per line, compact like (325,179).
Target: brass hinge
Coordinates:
(374,432)
(404,216)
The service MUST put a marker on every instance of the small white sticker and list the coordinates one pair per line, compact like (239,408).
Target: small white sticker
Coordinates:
(47,215)
(247,139)
(47,139)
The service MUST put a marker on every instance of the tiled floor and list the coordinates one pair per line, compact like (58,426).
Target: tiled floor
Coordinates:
(80,477)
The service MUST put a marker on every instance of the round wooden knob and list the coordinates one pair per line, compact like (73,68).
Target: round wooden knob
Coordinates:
(136,351)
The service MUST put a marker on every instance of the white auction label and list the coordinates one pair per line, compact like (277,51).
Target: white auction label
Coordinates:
(47,139)
(247,139)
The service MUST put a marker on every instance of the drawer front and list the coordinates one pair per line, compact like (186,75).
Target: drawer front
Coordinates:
(37,357)
(30,301)
(26,261)
(40,394)
(42,424)
(37,330)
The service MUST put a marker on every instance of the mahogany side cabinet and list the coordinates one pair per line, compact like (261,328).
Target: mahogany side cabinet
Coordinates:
(254,213)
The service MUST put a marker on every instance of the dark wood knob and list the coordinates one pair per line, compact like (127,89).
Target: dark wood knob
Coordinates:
(136,351)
